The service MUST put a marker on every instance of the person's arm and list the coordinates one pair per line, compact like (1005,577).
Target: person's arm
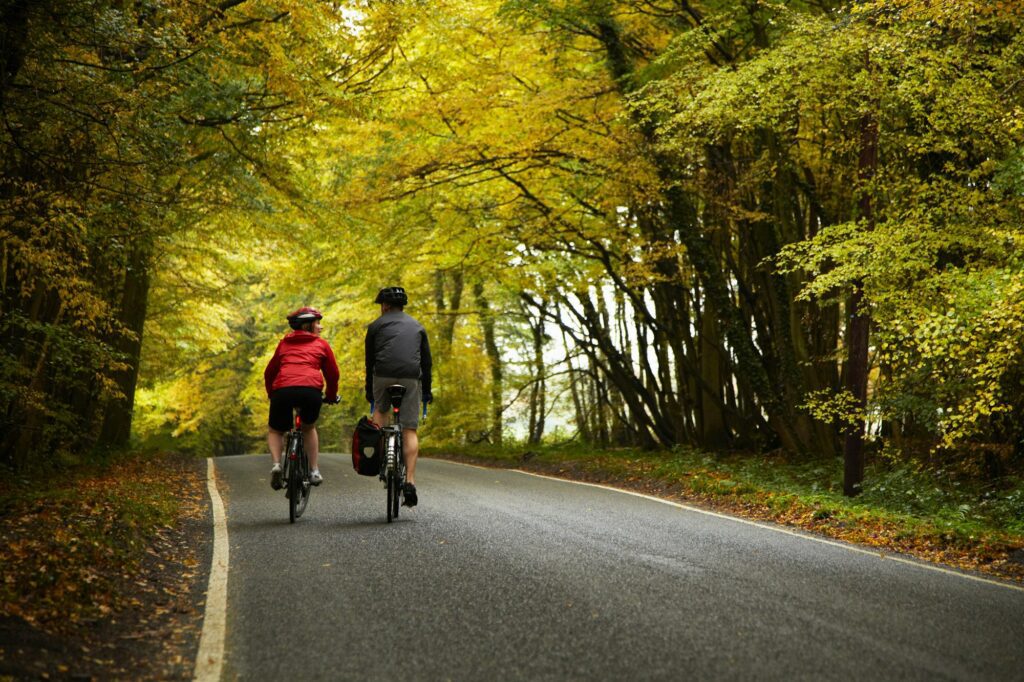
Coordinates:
(270,373)
(370,353)
(329,366)
(426,365)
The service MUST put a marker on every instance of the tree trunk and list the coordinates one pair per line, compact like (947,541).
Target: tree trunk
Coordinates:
(117,421)
(538,397)
(13,35)
(859,324)
(447,306)
(713,430)
(857,385)
(494,356)
(576,390)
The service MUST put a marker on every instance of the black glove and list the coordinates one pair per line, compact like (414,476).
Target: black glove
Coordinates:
(333,401)
(428,396)
(369,397)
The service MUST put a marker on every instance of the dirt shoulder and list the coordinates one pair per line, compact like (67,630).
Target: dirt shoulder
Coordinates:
(100,586)
(994,559)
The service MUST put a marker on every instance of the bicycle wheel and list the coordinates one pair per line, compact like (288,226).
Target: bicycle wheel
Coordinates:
(390,474)
(392,494)
(396,502)
(305,489)
(294,482)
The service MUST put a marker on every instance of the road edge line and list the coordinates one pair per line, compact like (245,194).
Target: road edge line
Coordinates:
(880,554)
(210,656)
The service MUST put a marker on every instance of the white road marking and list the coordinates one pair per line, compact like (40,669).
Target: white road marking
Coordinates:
(879,554)
(210,658)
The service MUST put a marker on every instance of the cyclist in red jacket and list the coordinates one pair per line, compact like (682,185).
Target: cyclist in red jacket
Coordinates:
(295,378)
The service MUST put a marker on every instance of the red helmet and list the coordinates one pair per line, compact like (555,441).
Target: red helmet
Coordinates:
(302,316)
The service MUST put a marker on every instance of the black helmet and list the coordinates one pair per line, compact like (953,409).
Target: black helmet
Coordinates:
(302,316)
(392,296)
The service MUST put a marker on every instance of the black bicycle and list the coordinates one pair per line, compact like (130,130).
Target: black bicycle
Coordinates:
(295,471)
(392,473)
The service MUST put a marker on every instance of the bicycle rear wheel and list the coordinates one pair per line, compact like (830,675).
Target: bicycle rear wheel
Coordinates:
(396,502)
(294,480)
(304,487)
(392,484)
(396,499)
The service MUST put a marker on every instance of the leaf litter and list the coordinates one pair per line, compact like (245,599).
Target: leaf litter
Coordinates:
(102,575)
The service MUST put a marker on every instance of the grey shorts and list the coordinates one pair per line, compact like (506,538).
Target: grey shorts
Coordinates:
(410,403)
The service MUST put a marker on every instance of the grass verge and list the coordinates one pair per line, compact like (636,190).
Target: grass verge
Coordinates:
(932,514)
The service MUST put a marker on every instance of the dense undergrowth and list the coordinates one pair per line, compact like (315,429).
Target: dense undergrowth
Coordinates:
(940,513)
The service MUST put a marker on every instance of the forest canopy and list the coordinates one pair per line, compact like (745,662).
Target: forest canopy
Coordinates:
(728,224)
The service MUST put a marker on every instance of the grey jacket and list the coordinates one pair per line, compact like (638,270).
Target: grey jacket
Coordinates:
(397,347)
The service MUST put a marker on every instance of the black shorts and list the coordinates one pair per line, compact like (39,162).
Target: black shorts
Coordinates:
(307,399)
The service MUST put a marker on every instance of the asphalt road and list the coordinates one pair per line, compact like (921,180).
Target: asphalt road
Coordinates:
(502,575)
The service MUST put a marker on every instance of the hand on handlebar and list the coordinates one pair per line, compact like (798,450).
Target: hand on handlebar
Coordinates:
(332,401)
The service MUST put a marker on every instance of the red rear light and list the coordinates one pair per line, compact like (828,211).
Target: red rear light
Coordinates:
(298,421)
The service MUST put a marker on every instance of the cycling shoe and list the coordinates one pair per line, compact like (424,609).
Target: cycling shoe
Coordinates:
(409,495)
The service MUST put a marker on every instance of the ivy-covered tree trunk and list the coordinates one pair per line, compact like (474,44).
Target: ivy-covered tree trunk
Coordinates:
(858,324)
(117,418)
(713,432)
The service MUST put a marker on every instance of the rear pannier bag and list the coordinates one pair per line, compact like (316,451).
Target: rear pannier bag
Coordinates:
(366,448)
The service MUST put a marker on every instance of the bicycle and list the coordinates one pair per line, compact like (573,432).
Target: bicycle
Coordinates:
(392,473)
(295,470)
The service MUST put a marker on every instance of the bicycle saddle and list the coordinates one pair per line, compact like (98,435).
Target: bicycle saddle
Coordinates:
(395,394)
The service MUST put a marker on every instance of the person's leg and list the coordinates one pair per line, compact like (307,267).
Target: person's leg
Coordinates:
(275,441)
(278,424)
(410,438)
(309,401)
(411,450)
(311,443)
(381,401)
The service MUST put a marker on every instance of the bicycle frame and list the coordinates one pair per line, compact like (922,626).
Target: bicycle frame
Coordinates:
(393,471)
(295,465)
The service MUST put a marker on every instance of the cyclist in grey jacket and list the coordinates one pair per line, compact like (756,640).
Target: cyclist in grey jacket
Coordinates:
(398,352)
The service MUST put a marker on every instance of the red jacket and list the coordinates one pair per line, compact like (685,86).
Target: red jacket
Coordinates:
(299,360)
